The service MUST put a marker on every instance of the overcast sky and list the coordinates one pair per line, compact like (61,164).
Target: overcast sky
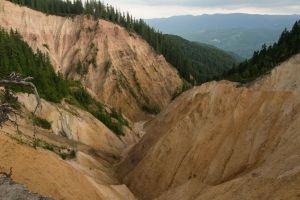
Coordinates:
(165,8)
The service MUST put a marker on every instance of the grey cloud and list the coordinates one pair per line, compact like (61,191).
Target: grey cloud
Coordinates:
(216,3)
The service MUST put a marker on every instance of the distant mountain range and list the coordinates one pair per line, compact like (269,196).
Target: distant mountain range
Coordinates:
(240,34)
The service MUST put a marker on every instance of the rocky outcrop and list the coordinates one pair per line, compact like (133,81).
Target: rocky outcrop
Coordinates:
(9,190)
(223,141)
(116,66)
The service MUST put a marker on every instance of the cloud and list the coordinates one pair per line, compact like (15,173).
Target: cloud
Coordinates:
(211,3)
(166,8)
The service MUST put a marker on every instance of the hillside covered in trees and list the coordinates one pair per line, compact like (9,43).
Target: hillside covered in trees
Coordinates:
(17,56)
(207,61)
(191,69)
(268,57)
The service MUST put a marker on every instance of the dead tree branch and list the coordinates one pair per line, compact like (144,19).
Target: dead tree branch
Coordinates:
(16,80)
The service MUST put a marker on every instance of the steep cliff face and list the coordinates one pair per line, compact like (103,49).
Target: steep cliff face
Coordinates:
(223,141)
(116,66)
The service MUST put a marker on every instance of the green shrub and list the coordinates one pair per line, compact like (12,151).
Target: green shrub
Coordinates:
(151,109)
(119,117)
(63,156)
(43,123)
(8,97)
(84,100)
(184,87)
(73,154)
(46,46)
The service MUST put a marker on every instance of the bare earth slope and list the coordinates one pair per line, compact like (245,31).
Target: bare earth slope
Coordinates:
(47,174)
(89,175)
(283,78)
(220,141)
(118,67)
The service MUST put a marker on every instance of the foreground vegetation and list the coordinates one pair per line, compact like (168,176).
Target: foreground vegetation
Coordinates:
(17,56)
(186,60)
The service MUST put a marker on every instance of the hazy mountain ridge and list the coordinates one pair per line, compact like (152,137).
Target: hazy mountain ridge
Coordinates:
(238,33)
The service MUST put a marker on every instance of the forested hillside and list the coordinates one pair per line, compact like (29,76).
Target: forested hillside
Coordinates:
(17,56)
(268,57)
(160,42)
(207,61)
(237,32)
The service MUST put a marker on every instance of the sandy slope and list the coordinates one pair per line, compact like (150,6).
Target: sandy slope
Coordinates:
(283,78)
(76,124)
(220,141)
(45,173)
(118,67)
(90,175)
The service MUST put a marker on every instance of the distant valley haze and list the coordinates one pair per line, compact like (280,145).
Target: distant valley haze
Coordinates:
(240,34)
(237,26)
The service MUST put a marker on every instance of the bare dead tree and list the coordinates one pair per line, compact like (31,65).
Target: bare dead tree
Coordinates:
(15,79)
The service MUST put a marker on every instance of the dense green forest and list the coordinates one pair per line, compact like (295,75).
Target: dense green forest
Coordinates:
(17,56)
(268,57)
(207,61)
(188,68)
